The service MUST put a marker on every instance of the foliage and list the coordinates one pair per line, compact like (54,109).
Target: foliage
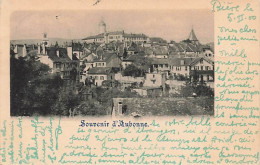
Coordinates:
(142,62)
(132,70)
(181,77)
(33,88)
(199,90)
(67,100)
(110,83)
(91,107)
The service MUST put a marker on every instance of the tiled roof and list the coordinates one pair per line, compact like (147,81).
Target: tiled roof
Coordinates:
(116,33)
(160,50)
(99,70)
(129,35)
(159,61)
(132,35)
(95,36)
(77,47)
(106,57)
(161,107)
(158,40)
(177,61)
(196,60)
(132,58)
(63,57)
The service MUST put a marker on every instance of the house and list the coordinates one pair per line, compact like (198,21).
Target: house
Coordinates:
(157,51)
(180,66)
(108,60)
(60,60)
(77,49)
(155,80)
(160,65)
(99,74)
(202,69)
(127,81)
(128,61)
(195,68)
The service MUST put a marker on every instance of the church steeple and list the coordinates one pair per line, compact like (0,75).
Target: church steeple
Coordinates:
(192,37)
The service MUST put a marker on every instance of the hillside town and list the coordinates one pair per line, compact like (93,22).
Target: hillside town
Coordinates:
(153,70)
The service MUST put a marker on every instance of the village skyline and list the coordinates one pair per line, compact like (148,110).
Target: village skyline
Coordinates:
(79,25)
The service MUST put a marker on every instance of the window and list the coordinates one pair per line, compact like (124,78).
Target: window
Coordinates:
(196,68)
(201,61)
(153,75)
(58,66)
(96,77)
(201,67)
(101,77)
(186,68)
(178,68)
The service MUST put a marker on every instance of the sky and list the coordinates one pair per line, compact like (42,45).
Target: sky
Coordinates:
(69,24)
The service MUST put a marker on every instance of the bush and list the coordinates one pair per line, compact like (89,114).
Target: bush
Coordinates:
(200,90)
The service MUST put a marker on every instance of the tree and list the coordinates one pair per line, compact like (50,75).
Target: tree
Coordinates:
(33,89)
(200,90)
(132,70)
(67,100)
(110,83)
(142,62)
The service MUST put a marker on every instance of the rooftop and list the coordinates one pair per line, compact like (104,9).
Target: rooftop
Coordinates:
(166,106)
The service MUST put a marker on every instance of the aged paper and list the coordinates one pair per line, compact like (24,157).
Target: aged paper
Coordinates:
(160,111)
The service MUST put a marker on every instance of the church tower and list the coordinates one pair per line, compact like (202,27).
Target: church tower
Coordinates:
(102,27)
(45,40)
(193,38)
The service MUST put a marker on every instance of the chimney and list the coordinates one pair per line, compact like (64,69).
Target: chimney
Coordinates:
(182,62)
(24,50)
(69,51)
(58,52)
(15,48)
(119,106)
(39,49)
(43,49)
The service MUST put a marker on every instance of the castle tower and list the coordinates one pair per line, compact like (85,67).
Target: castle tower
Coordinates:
(102,27)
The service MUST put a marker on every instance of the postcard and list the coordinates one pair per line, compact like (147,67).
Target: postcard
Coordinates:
(129,82)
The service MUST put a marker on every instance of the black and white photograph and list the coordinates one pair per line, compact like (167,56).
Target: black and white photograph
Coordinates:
(121,63)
